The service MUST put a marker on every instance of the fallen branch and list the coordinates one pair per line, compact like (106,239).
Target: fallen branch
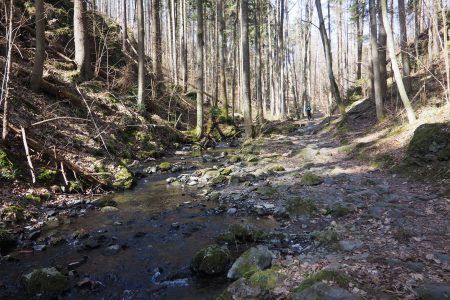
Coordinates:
(27,153)
(58,118)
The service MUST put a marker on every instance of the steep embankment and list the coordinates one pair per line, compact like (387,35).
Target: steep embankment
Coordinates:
(83,136)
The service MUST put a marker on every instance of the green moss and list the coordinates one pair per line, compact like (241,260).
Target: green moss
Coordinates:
(240,232)
(144,155)
(47,175)
(48,282)
(339,211)
(311,179)
(340,279)
(211,260)
(7,170)
(123,179)
(226,171)
(266,280)
(247,270)
(252,158)
(327,237)
(30,197)
(75,186)
(219,179)
(234,158)
(277,168)
(165,166)
(300,206)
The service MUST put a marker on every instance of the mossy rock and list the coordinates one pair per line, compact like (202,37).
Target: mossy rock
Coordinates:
(252,158)
(47,175)
(219,179)
(339,278)
(429,141)
(46,281)
(165,166)
(123,179)
(311,179)
(234,158)
(226,171)
(212,260)
(251,261)
(277,168)
(300,206)
(7,242)
(30,197)
(266,280)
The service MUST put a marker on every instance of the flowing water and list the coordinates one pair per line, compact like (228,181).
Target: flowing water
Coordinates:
(159,228)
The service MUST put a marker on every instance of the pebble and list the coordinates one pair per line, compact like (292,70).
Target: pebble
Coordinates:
(231,211)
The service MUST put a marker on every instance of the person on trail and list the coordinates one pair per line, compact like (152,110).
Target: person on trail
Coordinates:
(308,112)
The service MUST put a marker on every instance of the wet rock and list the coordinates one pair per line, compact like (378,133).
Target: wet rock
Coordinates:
(111,250)
(231,211)
(176,169)
(76,264)
(350,245)
(253,260)
(109,209)
(321,291)
(34,235)
(102,202)
(170,180)
(46,281)
(212,260)
(151,170)
(88,284)
(434,291)
(39,248)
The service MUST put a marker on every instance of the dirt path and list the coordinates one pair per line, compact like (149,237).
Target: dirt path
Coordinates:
(388,233)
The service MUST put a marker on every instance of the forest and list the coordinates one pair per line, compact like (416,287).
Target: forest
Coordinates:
(199,149)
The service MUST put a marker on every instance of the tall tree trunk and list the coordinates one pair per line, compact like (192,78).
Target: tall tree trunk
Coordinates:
(173,24)
(4,92)
(258,65)
(141,54)
(395,68)
(445,50)
(404,44)
(39,57)
(156,41)
(377,86)
(382,54)
(223,79)
(81,38)
(359,35)
(328,58)
(246,70)
(124,26)
(200,69)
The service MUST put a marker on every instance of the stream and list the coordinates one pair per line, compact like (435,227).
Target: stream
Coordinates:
(141,251)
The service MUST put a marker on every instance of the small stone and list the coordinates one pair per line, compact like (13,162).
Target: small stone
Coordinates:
(111,250)
(109,209)
(170,180)
(175,225)
(350,245)
(39,248)
(231,211)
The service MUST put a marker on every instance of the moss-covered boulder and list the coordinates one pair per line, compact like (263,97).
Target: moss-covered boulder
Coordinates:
(212,260)
(338,278)
(123,179)
(219,179)
(234,159)
(430,142)
(48,282)
(226,171)
(311,179)
(251,261)
(277,168)
(165,166)
(47,176)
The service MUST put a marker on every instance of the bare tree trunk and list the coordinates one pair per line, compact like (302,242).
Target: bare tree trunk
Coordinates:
(141,55)
(360,12)
(184,55)
(39,57)
(246,70)
(395,68)
(156,41)
(382,53)
(81,38)
(327,49)
(445,50)
(378,95)
(173,40)
(5,83)
(124,26)
(404,44)
(258,65)
(200,69)
(223,79)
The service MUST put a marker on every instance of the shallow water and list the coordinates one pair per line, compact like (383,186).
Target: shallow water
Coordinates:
(150,242)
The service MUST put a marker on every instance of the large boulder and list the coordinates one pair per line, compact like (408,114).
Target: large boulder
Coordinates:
(322,291)
(212,260)
(45,281)
(253,260)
